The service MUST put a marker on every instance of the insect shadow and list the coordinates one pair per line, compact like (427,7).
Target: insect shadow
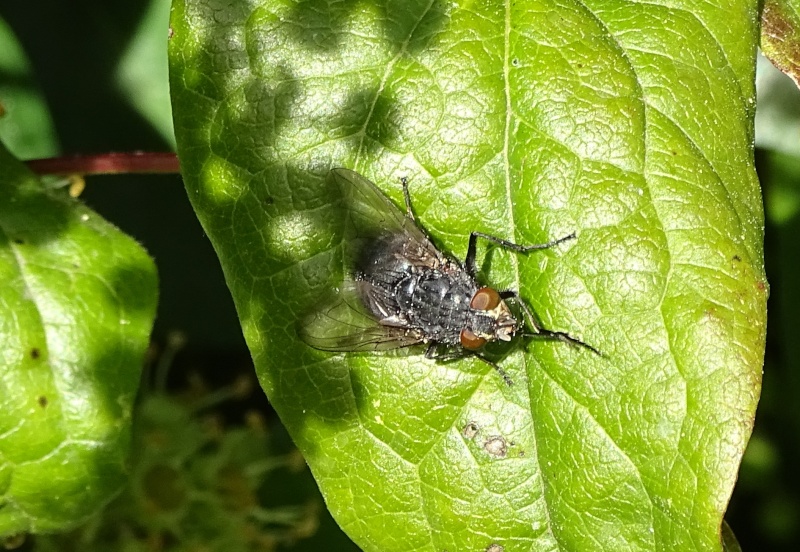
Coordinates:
(400,290)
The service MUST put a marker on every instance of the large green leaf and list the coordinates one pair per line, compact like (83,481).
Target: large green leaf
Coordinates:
(78,302)
(630,123)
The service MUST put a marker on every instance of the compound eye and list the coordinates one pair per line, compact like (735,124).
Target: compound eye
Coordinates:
(485,299)
(471,341)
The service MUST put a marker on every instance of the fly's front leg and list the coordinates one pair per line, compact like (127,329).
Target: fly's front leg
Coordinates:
(527,311)
(539,331)
(499,370)
(469,262)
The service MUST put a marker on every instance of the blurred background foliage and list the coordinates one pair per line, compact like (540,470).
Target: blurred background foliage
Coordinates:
(90,76)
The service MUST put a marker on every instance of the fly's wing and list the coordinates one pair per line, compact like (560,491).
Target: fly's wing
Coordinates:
(371,215)
(343,324)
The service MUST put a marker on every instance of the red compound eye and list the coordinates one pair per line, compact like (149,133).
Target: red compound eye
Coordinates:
(471,341)
(485,299)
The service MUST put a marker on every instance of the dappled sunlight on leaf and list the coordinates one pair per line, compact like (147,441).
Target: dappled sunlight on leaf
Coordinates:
(630,125)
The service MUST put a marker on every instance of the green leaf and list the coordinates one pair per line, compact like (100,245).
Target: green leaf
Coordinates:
(630,123)
(78,305)
(780,35)
(729,542)
(25,124)
(141,75)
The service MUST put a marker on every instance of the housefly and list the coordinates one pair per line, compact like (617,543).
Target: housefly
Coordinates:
(401,290)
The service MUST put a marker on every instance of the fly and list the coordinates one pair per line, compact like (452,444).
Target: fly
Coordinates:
(400,290)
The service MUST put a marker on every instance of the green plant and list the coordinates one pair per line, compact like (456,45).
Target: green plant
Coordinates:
(630,123)
(526,122)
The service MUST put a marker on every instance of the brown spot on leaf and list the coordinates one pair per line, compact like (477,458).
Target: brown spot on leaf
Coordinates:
(471,430)
(35,353)
(496,446)
(12,541)
(42,401)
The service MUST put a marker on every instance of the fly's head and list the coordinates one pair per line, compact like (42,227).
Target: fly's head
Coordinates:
(493,320)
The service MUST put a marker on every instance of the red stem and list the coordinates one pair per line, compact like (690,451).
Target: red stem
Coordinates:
(137,162)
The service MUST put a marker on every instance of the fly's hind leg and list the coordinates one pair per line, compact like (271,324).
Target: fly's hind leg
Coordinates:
(407,198)
(539,331)
(435,352)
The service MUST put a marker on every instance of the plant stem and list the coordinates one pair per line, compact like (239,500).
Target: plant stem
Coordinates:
(136,162)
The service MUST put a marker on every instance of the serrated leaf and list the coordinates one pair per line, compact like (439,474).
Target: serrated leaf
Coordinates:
(78,302)
(780,35)
(629,122)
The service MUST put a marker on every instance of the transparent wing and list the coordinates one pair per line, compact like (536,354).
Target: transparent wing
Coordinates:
(371,214)
(343,324)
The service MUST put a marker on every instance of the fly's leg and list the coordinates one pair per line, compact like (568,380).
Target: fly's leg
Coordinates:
(499,370)
(435,352)
(407,198)
(539,331)
(469,262)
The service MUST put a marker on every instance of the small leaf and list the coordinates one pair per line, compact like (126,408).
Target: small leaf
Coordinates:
(628,123)
(780,35)
(78,302)
(729,542)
